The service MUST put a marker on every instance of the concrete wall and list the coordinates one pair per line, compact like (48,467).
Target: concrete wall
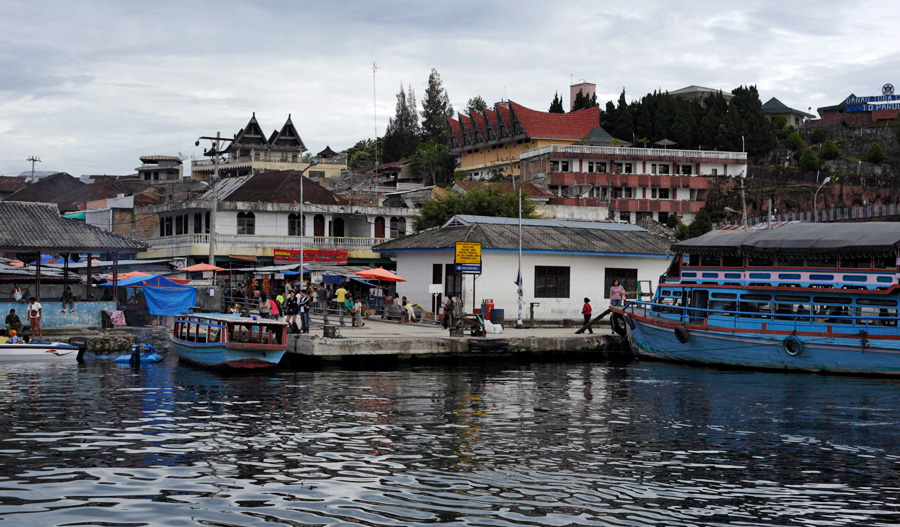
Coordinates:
(87,314)
(499,274)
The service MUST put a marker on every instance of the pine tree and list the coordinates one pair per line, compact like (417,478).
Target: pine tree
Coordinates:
(402,135)
(556,106)
(436,108)
(582,101)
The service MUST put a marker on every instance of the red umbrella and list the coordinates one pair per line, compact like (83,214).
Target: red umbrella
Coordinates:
(380,274)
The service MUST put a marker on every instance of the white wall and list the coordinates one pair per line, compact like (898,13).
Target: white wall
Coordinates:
(497,280)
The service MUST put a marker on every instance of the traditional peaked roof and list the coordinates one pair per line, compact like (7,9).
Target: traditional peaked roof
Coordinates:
(546,125)
(501,234)
(775,106)
(274,187)
(287,138)
(250,135)
(328,152)
(39,227)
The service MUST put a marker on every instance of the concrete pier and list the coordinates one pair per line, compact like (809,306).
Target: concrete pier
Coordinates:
(390,340)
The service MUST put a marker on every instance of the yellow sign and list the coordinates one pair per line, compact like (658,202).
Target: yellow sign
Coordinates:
(468,253)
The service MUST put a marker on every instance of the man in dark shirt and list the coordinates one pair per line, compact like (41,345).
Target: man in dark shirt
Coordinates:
(13,322)
(68,299)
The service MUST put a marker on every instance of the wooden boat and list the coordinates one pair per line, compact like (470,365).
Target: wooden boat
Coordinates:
(38,351)
(223,341)
(811,297)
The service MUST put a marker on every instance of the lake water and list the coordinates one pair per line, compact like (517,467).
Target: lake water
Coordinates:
(490,445)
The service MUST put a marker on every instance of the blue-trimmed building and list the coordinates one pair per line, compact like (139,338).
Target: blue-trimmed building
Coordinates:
(562,262)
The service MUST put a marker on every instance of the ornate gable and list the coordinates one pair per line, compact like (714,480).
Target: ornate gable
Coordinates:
(251,136)
(287,138)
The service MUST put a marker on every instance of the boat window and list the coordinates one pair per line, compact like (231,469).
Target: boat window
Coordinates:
(710,261)
(791,298)
(755,296)
(724,295)
(855,278)
(694,260)
(732,261)
(884,263)
(213,334)
(759,262)
(823,277)
(830,300)
(788,276)
(755,309)
(789,262)
(877,316)
(856,263)
(827,263)
(733,275)
(875,302)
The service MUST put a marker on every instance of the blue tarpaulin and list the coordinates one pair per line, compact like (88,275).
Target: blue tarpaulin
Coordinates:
(125,282)
(165,297)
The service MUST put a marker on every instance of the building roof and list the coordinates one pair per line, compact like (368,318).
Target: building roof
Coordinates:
(274,187)
(39,227)
(537,235)
(546,125)
(13,184)
(693,90)
(774,106)
(328,152)
(47,189)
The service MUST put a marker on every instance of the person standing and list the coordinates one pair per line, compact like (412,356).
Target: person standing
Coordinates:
(290,311)
(303,305)
(616,294)
(357,313)
(448,312)
(322,299)
(586,311)
(35,312)
(340,296)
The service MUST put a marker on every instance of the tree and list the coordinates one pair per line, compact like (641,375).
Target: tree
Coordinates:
(475,104)
(809,160)
(817,136)
(828,151)
(556,106)
(701,225)
(436,108)
(362,154)
(875,154)
(402,135)
(582,101)
(489,200)
(794,141)
(432,157)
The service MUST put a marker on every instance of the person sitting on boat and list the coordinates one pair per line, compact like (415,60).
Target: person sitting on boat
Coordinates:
(14,337)
(13,322)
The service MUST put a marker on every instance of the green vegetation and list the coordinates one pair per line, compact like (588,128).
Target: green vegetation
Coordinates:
(875,154)
(487,201)
(434,157)
(475,104)
(828,151)
(817,136)
(402,135)
(582,101)
(673,221)
(436,108)
(809,160)
(557,105)
(794,141)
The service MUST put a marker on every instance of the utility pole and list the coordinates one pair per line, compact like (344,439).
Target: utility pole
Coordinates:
(214,208)
(33,159)
(375,113)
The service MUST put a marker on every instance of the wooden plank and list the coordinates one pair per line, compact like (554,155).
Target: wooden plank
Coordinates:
(591,323)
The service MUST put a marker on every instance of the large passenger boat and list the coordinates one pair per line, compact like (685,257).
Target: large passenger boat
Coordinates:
(814,297)
(222,341)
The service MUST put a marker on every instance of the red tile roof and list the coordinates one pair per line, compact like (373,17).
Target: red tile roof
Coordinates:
(545,125)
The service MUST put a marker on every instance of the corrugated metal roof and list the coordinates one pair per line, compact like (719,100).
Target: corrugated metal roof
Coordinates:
(467,219)
(39,227)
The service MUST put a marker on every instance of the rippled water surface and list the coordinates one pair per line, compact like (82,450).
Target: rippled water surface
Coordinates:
(488,445)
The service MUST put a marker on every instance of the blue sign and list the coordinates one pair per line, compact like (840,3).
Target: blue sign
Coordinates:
(469,268)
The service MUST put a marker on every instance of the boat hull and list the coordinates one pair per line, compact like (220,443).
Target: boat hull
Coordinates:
(228,357)
(843,354)
(38,352)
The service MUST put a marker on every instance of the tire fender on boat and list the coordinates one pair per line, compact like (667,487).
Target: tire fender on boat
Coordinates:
(629,321)
(682,334)
(792,345)
(617,320)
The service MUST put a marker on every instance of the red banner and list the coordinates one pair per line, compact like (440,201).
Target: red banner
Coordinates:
(335,256)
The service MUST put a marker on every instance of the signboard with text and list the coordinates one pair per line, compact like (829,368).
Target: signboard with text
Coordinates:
(468,257)
(327,256)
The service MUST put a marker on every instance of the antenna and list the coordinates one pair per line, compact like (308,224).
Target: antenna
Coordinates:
(33,159)
(375,111)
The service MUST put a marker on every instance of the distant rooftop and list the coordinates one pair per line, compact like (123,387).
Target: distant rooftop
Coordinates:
(697,92)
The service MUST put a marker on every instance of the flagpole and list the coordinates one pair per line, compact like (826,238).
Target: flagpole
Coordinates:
(519,276)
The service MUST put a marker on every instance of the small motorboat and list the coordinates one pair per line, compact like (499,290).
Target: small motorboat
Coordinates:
(38,350)
(140,353)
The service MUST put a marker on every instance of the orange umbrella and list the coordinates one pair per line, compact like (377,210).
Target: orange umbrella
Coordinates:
(131,274)
(380,274)
(202,267)
(17,263)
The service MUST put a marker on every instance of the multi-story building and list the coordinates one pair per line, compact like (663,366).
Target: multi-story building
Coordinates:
(259,214)
(160,169)
(631,183)
(492,140)
(252,151)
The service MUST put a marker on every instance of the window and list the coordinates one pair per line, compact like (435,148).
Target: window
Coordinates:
(687,170)
(206,225)
(663,169)
(401,226)
(318,225)
(663,217)
(246,223)
(714,172)
(627,278)
(316,175)
(564,166)
(663,193)
(295,225)
(623,168)
(551,282)
(198,223)
(554,166)
(393,225)
(625,216)
(338,228)
(379,227)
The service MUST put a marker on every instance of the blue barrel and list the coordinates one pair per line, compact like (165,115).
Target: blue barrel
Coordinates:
(497,316)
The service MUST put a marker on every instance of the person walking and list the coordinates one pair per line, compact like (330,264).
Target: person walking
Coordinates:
(35,312)
(616,294)
(586,311)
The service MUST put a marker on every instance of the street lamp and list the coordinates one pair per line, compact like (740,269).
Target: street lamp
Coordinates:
(816,198)
(312,163)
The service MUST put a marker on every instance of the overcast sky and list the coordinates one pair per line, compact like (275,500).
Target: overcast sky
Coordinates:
(89,86)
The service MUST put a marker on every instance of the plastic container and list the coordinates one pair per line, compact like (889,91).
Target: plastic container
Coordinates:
(497,316)
(487,305)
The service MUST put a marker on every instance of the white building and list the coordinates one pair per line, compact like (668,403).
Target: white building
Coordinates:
(562,263)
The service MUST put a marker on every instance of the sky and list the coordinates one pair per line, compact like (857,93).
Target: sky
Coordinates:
(90,86)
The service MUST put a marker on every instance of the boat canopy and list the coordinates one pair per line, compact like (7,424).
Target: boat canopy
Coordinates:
(800,240)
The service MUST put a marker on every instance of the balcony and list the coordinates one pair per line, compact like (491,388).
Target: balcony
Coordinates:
(262,241)
(601,179)
(656,205)
(626,153)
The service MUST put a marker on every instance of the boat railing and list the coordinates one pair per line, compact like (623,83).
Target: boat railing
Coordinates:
(687,314)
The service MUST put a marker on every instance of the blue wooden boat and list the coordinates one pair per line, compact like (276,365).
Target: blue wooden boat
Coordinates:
(222,341)
(811,297)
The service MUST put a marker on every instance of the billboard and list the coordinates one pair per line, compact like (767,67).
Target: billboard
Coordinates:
(327,256)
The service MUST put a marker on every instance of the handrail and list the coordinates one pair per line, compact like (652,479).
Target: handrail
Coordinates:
(631,152)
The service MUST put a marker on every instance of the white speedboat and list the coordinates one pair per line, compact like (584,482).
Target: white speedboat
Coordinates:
(38,351)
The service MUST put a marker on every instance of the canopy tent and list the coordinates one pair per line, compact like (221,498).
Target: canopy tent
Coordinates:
(380,274)
(200,267)
(125,281)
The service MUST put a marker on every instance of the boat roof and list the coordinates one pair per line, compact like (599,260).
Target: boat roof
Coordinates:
(221,317)
(801,239)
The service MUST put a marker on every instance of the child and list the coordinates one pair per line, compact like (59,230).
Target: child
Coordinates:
(586,311)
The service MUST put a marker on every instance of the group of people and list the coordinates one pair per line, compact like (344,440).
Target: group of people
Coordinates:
(14,324)
(616,298)
(300,301)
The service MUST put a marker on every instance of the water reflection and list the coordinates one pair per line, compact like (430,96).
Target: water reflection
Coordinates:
(539,444)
